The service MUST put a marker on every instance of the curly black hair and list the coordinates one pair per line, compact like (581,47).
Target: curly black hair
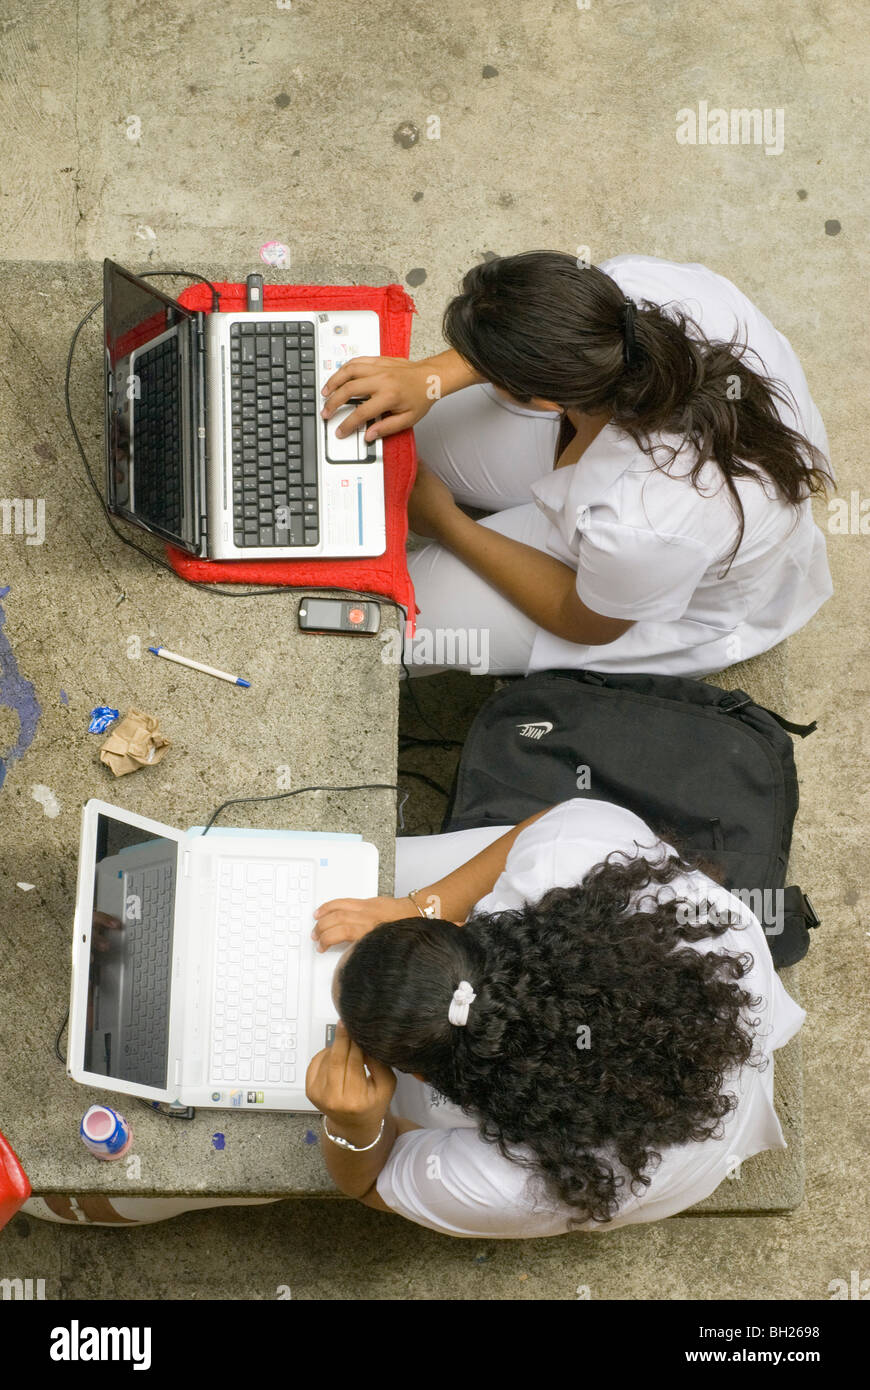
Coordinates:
(666,1025)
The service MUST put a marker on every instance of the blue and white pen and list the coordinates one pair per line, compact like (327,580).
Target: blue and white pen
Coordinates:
(198,666)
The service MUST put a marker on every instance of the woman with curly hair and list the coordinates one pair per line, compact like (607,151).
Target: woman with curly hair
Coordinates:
(571,1030)
(646,448)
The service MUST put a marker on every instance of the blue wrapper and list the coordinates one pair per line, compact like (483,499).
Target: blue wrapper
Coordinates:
(101,718)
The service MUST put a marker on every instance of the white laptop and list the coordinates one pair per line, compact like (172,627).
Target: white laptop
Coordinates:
(194,976)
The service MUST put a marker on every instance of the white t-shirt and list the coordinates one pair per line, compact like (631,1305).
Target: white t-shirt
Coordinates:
(446,1177)
(649,547)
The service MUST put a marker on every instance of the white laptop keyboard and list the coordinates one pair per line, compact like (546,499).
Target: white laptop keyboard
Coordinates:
(264,911)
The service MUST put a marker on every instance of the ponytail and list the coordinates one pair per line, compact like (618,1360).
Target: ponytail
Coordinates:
(537,325)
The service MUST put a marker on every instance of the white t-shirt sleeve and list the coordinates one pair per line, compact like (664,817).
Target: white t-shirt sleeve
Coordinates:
(451,1181)
(628,572)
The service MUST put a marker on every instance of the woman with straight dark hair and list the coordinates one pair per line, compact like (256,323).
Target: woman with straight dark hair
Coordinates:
(647,446)
(569,1028)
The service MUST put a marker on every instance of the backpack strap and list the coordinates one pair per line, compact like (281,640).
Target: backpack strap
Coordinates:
(734,700)
(799,917)
(802,730)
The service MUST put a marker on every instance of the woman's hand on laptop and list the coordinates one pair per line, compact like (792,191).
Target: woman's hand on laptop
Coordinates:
(393,387)
(347,919)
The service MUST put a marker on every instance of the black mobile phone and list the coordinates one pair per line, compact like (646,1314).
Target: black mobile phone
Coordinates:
(339,615)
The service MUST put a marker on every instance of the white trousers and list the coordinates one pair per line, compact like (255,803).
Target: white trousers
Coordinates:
(488,452)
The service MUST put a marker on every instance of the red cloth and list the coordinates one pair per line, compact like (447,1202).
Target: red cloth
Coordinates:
(14,1186)
(380,574)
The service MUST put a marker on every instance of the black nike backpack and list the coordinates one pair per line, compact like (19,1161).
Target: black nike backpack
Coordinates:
(707,769)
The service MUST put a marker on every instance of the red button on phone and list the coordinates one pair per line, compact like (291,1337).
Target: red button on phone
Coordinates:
(356,615)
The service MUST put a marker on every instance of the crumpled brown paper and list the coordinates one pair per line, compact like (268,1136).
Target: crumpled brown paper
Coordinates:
(135,742)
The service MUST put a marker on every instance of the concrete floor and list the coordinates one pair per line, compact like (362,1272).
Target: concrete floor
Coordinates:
(308,124)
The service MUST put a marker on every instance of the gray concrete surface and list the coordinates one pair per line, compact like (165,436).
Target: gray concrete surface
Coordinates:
(81,610)
(557,128)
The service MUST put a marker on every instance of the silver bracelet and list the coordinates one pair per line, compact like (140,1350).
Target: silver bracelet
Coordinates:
(354,1148)
(428,911)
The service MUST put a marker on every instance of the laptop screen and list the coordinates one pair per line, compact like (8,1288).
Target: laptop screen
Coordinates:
(130,972)
(145,436)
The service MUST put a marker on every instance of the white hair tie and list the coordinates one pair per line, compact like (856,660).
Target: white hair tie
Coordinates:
(463,996)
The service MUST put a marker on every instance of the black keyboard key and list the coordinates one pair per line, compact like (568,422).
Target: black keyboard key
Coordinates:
(309,450)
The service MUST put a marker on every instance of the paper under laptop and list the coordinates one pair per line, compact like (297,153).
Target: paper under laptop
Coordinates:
(194,976)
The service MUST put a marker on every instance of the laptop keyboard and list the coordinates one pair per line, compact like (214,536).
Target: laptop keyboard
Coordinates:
(148,956)
(264,907)
(274,434)
(157,464)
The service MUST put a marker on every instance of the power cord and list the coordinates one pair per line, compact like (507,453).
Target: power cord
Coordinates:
(280,796)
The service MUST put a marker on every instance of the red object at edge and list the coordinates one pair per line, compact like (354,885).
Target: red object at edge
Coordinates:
(14,1186)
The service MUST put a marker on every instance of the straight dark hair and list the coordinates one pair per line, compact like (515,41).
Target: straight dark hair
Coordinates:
(540,325)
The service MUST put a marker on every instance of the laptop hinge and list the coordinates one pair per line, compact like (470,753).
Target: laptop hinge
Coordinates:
(200,451)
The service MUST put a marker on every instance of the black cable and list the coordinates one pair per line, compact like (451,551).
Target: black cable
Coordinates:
(422,777)
(280,796)
(192,274)
(57,1051)
(446,742)
(411,741)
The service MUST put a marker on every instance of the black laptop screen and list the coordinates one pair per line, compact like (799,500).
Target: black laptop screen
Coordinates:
(129,979)
(144,403)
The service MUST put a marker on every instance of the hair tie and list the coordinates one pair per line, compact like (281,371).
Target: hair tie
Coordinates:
(463,996)
(629,344)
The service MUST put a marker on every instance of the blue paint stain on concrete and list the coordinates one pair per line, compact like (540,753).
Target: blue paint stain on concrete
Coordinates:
(64,698)
(310,1137)
(219,1141)
(16,694)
